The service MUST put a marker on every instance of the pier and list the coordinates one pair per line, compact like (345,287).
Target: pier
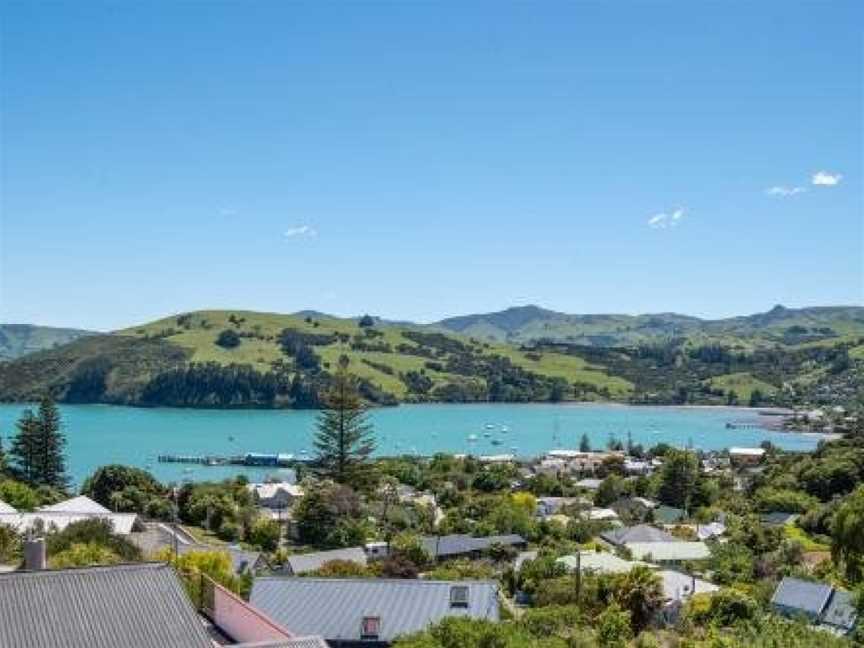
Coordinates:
(248,459)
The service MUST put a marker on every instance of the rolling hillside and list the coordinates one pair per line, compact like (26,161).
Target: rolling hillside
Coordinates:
(18,340)
(779,326)
(249,359)
(271,365)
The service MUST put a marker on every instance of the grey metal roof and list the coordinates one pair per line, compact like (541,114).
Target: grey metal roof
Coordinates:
(638,533)
(458,544)
(841,611)
(334,608)
(803,596)
(304,563)
(135,606)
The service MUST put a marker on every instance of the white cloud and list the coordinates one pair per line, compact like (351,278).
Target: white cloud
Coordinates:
(826,179)
(664,221)
(785,192)
(300,231)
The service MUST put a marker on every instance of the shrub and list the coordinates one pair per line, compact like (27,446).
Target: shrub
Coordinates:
(228,339)
(265,534)
(83,554)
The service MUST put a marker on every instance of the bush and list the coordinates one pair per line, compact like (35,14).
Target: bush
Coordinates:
(229,531)
(10,544)
(82,555)
(398,567)
(114,478)
(19,495)
(228,339)
(91,532)
(265,534)
(340,569)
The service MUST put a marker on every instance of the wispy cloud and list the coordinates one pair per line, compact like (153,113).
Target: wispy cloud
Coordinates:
(825,179)
(785,192)
(304,231)
(664,220)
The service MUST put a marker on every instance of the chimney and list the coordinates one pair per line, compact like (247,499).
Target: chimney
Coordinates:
(34,554)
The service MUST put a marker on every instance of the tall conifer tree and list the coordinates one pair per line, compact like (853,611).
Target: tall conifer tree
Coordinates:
(51,461)
(344,439)
(25,447)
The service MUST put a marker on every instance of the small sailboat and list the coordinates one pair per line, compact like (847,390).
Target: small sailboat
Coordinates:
(490,426)
(504,429)
(472,437)
(496,442)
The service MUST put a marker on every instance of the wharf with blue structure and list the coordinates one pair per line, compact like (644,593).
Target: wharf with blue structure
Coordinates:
(248,459)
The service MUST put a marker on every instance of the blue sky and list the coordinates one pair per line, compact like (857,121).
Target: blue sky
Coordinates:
(420,160)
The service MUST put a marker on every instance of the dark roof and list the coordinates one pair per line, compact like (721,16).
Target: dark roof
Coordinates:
(668,514)
(638,533)
(135,606)
(841,611)
(304,563)
(803,596)
(457,544)
(334,608)
(778,518)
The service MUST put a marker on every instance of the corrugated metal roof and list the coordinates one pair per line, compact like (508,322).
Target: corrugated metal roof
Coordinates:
(602,562)
(668,551)
(677,586)
(638,533)
(797,594)
(334,608)
(458,544)
(304,563)
(122,523)
(133,606)
(841,611)
(80,504)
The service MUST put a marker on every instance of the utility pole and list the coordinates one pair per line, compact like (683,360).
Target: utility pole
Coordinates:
(578,576)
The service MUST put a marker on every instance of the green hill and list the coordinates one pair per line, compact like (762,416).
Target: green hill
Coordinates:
(785,326)
(249,359)
(17,340)
(283,360)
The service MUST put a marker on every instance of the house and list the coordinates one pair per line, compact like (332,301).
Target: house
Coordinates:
(638,467)
(577,461)
(638,533)
(589,484)
(670,553)
(746,456)
(712,530)
(677,588)
(601,562)
(309,562)
(276,495)
(547,506)
(158,536)
(601,514)
(821,604)
(458,545)
(633,508)
(61,515)
(668,514)
(370,613)
(778,518)
(141,605)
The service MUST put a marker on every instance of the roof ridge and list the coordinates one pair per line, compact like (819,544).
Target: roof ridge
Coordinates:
(372,579)
(148,564)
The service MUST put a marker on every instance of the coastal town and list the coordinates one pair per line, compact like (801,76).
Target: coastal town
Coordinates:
(599,546)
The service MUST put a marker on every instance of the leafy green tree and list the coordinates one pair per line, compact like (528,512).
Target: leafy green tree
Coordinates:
(366,321)
(265,534)
(116,478)
(640,592)
(678,478)
(613,627)
(847,535)
(92,532)
(344,439)
(19,495)
(228,339)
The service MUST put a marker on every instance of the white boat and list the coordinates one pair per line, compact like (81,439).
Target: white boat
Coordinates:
(472,437)
(490,426)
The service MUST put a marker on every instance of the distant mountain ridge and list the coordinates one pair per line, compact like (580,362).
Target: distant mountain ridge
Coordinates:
(780,325)
(18,340)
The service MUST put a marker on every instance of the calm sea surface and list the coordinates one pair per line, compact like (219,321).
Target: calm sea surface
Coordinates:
(101,434)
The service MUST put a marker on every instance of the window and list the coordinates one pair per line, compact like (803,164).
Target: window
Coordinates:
(459,596)
(370,628)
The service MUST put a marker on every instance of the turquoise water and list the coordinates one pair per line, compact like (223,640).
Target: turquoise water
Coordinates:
(101,434)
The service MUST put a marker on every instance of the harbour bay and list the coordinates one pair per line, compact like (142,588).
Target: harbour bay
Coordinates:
(103,434)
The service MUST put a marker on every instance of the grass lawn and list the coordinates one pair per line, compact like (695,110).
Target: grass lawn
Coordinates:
(742,384)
